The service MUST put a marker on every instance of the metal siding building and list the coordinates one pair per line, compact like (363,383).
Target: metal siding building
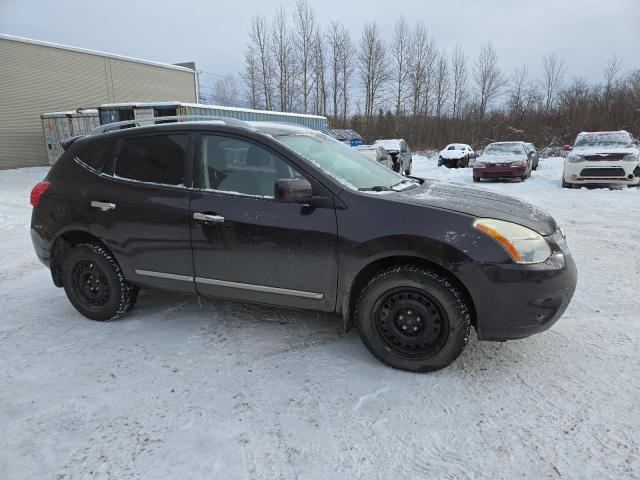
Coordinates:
(38,77)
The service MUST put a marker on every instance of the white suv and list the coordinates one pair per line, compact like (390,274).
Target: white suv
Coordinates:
(602,158)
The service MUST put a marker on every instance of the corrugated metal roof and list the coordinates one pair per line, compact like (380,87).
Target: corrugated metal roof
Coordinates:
(92,52)
(211,107)
(342,134)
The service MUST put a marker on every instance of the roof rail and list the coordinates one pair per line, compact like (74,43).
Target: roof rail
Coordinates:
(141,122)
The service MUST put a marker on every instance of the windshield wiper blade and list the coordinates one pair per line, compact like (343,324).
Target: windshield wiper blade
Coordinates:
(375,188)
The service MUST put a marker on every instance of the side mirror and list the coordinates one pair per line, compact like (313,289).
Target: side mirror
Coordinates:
(566,148)
(294,190)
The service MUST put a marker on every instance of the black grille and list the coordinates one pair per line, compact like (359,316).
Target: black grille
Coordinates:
(602,172)
(604,157)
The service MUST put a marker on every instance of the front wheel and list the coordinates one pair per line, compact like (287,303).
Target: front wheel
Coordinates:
(476,179)
(94,283)
(413,319)
(565,184)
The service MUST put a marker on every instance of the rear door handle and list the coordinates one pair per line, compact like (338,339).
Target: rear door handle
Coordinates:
(208,218)
(104,206)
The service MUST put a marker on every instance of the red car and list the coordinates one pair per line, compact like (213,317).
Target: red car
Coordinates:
(503,160)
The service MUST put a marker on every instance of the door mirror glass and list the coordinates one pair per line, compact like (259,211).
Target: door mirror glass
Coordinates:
(294,190)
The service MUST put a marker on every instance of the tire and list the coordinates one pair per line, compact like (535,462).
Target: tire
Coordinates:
(419,300)
(94,283)
(476,179)
(565,184)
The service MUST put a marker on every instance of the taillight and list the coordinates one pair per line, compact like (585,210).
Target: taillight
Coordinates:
(37,193)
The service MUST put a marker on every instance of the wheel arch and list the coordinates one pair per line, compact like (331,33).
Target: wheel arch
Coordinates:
(367,272)
(64,242)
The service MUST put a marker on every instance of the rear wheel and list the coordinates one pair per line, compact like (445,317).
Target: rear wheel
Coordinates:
(413,319)
(94,283)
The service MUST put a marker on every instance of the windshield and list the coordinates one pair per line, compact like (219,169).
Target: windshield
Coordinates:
(612,139)
(504,149)
(345,164)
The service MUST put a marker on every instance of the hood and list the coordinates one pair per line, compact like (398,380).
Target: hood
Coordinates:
(452,154)
(604,151)
(479,203)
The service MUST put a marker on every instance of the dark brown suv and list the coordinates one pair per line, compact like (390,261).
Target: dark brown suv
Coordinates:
(286,216)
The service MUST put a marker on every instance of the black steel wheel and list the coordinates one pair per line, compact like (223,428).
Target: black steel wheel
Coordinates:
(90,282)
(94,283)
(410,322)
(413,319)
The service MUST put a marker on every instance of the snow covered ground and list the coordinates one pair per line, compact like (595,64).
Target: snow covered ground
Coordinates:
(187,388)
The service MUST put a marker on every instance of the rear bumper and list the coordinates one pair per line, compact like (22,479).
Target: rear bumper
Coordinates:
(515,301)
(500,172)
(41,245)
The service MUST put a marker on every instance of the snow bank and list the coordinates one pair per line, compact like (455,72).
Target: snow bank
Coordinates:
(190,389)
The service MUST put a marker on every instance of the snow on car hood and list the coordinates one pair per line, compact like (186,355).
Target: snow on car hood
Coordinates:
(452,154)
(479,203)
(607,149)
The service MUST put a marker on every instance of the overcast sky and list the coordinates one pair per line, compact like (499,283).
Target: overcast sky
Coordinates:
(214,33)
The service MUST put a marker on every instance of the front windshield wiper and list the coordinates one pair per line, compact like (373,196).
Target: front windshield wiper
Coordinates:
(375,188)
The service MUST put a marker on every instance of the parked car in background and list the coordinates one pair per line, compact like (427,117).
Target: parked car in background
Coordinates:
(503,160)
(377,153)
(602,158)
(534,155)
(456,155)
(287,216)
(400,154)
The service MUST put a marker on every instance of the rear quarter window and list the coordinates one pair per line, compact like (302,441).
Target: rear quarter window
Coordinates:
(97,155)
(153,159)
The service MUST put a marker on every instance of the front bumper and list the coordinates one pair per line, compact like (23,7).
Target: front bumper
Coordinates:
(500,172)
(515,301)
(603,173)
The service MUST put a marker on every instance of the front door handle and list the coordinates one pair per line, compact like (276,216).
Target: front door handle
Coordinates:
(208,218)
(104,206)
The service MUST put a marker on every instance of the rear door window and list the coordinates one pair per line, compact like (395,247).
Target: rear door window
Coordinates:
(153,159)
(97,155)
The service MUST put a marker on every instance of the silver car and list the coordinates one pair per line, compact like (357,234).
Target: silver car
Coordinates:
(400,154)
(377,153)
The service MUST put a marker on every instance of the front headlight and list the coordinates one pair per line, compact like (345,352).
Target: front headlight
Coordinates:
(523,244)
(576,158)
(632,157)
(519,163)
(480,165)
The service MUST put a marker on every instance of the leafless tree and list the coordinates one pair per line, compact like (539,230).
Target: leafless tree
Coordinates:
(611,72)
(320,79)
(225,91)
(400,55)
(259,36)
(251,78)
(552,78)
(488,78)
(419,58)
(459,80)
(441,84)
(372,66)
(346,72)
(284,65)
(523,93)
(305,37)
